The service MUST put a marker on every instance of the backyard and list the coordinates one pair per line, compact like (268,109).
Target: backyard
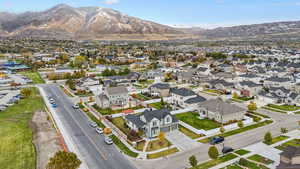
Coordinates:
(16,148)
(193,119)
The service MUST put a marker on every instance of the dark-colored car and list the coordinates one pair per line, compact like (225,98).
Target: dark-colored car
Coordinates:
(216,140)
(227,150)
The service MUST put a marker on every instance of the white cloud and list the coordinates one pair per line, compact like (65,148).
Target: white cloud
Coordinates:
(111,2)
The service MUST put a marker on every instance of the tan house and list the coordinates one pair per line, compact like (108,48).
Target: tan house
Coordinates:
(160,89)
(290,158)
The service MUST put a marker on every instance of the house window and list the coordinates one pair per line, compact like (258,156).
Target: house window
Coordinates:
(154,123)
(168,120)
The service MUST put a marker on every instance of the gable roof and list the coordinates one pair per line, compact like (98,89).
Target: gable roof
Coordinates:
(219,106)
(161,86)
(182,91)
(116,90)
(194,100)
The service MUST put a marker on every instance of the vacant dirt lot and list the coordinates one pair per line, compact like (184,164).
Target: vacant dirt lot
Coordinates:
(45,138)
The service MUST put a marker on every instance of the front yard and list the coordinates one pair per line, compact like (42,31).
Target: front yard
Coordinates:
(294,143)
(121,124)
(189,133)
(157,144)
(193,119)
(284,107)
(213,91)
(260,159)
(277,139)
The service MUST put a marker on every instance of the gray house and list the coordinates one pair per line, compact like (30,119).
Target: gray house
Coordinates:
(221,111)
(113,96)
(152,122)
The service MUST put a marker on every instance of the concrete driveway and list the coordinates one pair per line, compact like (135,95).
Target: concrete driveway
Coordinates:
(182,142)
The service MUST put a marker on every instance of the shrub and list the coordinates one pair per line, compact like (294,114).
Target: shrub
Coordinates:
(213,152)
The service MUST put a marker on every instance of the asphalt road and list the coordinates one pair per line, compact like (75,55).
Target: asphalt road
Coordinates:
(180,160)
(94,151)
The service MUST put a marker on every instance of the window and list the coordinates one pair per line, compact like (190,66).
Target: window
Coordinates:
(154,123)
(168,120)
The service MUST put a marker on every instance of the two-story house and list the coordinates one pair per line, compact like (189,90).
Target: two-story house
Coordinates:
(160,89)
(115,96)
(152,122)
(290,158)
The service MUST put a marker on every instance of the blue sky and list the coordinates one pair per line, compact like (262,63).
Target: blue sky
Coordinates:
(204,13)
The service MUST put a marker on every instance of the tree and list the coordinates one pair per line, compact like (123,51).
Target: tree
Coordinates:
(79,61)
(222,129)
(64,160)
(252,106)
(161,137)
(240,124)
(213,152)
(268,138)
(193,161)
(283,130)
(26,92)
(235,95)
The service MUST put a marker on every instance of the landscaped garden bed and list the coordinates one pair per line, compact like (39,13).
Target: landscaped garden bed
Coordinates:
(158,144)
(260,159)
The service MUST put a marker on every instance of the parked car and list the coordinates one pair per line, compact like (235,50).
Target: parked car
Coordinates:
(93,124)
(108,140)
(75,106)
(216,140)
(99,130)
(227,150)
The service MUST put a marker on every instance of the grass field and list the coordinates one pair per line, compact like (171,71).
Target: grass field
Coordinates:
(260,159)
(189,133)
(162,153)
(16,148)
(241,152)
(34,76)
(157,105)
(193,120)
(284,107)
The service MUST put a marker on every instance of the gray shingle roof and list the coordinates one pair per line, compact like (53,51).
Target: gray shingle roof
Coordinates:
(117,90)
(194,100)
(217,105)
(161,86)
(182,92)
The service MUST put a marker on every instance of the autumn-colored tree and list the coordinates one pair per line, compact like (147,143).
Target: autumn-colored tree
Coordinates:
(252,106)
(26,92)
(64,160)
(240,124)
(161,137)
(222,129)
(235,95)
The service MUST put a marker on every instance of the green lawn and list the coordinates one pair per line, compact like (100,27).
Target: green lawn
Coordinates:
(213,91)
(162,153)
(240,130)
(142,97)
(34,76)
(260,159)
(233,166)
(189,133)
(157,105)
(259,114)
(242,152)
(277,139)
(245,98)
(218,161)
(120,123)
(193,120)
(274,110)
(123,147)
(284,107)
(16,148)
(294,143)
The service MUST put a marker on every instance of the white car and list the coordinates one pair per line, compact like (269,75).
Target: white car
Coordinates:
(75,106)
(93,124)
(99,130)
(108,140)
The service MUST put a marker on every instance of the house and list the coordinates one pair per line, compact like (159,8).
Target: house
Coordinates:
(293,99)
(152,122)
(115,96)
(275,81)
(180,95)
(185,77)
(274,95)
(221,85)
(248,88)
(160,89)
(290,158)
(87,82)
(220,111)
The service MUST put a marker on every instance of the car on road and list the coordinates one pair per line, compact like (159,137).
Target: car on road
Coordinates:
(227,150)
(99,130)
(93,124)
(51,100)
(75,106)
(54,105)
(216,140)
(108,140)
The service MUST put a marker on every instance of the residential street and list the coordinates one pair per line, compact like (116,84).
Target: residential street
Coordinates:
(94,151)
(180,160)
